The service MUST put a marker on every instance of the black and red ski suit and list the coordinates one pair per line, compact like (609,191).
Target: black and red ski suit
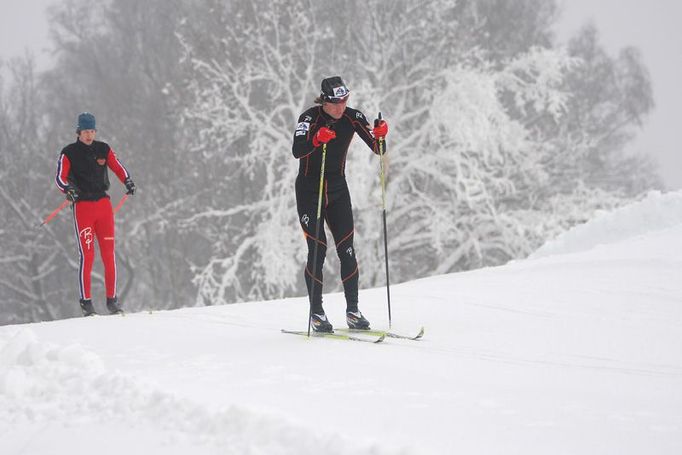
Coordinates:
(85,168)
(336,203)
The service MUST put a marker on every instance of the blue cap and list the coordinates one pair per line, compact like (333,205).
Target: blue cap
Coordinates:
(86,121)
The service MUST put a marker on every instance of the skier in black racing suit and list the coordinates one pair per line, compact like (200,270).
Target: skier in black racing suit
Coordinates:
(333,123)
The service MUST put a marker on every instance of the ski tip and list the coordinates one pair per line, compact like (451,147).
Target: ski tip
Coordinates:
(381,338)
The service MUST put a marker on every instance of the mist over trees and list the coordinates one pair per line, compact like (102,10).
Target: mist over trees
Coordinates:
(499,139)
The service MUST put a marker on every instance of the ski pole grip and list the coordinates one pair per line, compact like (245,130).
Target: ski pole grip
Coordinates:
(377,120)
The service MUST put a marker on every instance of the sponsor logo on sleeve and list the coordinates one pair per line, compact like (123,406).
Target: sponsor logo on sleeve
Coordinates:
(302,128)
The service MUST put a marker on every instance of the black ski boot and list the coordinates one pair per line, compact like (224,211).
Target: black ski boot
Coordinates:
(87,308)
(320,323)
(113,307)
(356,320)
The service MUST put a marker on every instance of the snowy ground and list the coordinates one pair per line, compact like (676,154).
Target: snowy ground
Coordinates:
(577,351)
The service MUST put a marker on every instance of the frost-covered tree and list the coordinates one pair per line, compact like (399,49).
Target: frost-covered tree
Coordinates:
(248,94)
(611,98)
(32,259)
(461,171)
(474,142)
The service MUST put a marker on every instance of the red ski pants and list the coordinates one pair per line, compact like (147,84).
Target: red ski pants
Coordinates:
(95,219)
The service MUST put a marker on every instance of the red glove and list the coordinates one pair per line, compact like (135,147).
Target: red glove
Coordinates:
(323,136)
(380,129)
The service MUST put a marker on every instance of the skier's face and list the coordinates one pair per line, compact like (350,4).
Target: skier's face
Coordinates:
(335,110)
(87,136)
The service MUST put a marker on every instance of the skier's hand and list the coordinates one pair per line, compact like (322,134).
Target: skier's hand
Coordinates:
(323,136)
(71,193)
(130,186)
(380,129)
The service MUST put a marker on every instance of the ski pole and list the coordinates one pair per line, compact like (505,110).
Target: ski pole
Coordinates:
(382,178)
(317,234)
(54,213)
(120,203)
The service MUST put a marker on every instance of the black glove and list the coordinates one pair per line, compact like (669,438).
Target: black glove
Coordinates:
(71,193)
(130,186)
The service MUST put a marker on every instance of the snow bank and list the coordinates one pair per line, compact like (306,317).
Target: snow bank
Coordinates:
(655,212)
(41,382)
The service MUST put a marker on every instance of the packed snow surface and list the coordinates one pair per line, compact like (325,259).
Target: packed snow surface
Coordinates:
(576,351)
